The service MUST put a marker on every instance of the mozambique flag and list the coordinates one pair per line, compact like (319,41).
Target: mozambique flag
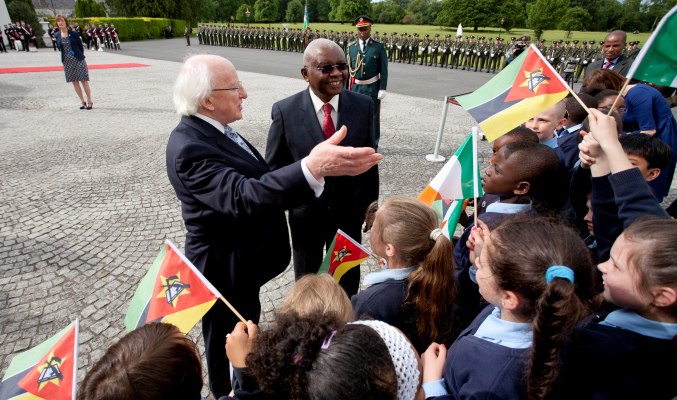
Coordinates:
(657,62)
(305,16)
(343,254)
(524,88)
(47,371)
(173,291)
(454,181)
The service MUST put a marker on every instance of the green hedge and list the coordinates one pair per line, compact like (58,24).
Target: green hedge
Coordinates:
(135,28)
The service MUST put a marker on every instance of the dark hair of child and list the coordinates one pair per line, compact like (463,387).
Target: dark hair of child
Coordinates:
(521,134)
(155,361)
(603,94)
(652,149)
(538,165)
(316,357)
(617,117)
(575,111)
(407,224)
(522,249)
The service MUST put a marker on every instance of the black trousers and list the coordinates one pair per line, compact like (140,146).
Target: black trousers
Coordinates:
(311,234)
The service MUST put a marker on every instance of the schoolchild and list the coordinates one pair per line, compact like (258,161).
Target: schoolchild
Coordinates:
(547,123)
(317,357)
(415,291)
(526,177)
(630,353)
(648,153)
(620,193)
(318,293)
(154,361)
(537,276)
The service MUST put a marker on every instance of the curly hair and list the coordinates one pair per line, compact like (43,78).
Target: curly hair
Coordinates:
(407,224)
(293,360)
(521,251)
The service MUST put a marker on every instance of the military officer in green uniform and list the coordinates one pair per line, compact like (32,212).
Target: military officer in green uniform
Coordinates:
(368,66)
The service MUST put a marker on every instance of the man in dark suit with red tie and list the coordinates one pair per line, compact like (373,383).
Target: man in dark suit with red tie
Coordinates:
(232,203)
(302,121)
(614,59)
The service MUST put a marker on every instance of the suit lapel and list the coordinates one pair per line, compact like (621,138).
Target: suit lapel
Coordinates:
(344,111)
(226,144)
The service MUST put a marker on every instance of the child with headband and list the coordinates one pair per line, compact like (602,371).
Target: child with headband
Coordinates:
(538,278)
(316,357)
(415,291)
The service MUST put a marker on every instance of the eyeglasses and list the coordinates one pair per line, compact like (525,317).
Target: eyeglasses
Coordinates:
(605,110)
(327,69)
(238,88)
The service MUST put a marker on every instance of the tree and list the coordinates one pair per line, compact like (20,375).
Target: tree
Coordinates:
(574,19)
(294,11)
(510,14)
(20,10)
(241,14)
(265,10)
(388,12)
(348,10)
(89,8)
(473,13)
(545,14)
(323,10)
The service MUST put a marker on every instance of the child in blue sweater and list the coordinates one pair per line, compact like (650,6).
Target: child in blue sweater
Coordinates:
(416,290)
(538,278)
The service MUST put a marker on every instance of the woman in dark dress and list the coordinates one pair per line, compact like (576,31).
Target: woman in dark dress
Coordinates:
(73,58)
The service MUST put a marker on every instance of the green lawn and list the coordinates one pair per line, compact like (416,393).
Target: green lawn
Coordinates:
(431,30)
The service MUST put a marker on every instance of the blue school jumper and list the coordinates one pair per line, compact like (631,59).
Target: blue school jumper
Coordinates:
(620,355)
(483,367)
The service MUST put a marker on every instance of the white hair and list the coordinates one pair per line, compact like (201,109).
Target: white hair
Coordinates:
(194,83)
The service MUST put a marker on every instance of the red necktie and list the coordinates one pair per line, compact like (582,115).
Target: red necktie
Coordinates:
(607,64)
(328,125)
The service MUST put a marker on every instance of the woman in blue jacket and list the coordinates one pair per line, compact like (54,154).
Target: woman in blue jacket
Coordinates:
(73,58)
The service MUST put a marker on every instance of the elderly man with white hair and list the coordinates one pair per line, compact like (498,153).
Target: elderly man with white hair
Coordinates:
(232,203)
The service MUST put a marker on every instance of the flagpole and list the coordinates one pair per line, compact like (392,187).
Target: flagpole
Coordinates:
(244,321)
(474,171)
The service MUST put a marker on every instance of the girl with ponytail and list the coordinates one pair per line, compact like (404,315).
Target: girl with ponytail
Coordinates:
(538,278)
(415,291)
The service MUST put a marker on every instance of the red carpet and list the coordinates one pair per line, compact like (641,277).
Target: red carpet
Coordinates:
(22,70)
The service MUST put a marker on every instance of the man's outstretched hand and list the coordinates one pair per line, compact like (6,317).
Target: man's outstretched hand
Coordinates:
(330,159)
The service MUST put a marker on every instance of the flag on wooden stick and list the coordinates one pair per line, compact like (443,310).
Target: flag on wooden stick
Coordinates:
(526,87)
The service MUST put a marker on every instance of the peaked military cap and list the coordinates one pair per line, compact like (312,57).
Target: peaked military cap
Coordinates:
(363,20)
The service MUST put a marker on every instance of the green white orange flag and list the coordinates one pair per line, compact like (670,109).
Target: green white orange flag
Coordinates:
(173,291)
(343,255)
(451,217)
(47,371)
(454,181)
(657,61)
(524,88)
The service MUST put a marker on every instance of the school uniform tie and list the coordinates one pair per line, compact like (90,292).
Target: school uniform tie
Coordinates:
(328,125)
(235,137)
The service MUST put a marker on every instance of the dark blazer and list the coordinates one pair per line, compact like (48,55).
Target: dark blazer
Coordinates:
(294,132)
(233,207)
(76,44)
(622,66)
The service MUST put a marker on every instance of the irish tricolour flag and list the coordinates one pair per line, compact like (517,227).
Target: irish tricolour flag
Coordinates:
(524,88)
(47,371)
(657,62)
(173,291)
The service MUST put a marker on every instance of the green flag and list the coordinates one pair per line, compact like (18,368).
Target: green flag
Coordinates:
(657,62)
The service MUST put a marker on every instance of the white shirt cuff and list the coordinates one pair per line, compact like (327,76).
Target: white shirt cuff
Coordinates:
(434,388)
(315,184)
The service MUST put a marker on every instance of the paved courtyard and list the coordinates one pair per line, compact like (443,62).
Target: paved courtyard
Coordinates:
(85,203)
